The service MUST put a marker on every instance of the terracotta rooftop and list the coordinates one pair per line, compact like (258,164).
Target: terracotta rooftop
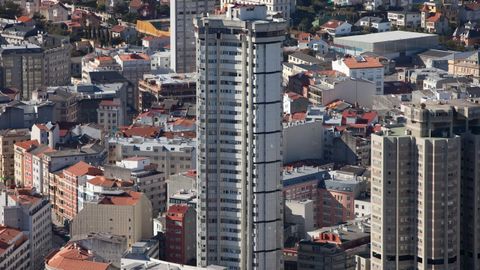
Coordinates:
(184,122)
(24,196)
(359,62)
(332,24)
(435,18)
(177,209)
(108,102)
(141,131)
(27,144)
(118,28)
(127,198)
(42,127)
(109,183)
(83,168)
(133,57)
(24,19)
(104,58)
(74,257)
(10,237)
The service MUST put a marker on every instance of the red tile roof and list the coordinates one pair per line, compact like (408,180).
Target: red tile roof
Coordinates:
(108,102)
(24,196)
(83,168)
(362,62)
(177,209)
(435,18)
(118,28)
(133,57)
(74,257)
(109,183)
(27,144)
(42,127)
(332,24)
(24,19)
(299,116)
(127,198)
(141,131)
(10,237)
(184,122)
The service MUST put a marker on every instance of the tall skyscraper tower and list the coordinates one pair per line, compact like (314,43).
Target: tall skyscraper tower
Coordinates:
(415,187)
(239,132)
(182,40)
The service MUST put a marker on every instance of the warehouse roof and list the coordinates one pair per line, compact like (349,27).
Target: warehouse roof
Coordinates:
(383,37)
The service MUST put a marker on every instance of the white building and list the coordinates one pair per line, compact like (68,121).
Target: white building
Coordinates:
(351,90)
(284,7)
(363,207)
(240,202)
(30,213)
(404,19)
(362,67)
(182,40)
(302,214)
(47,134)
(160,62)
(378,23)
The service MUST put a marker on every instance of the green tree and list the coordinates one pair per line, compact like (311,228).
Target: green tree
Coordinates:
(10,10)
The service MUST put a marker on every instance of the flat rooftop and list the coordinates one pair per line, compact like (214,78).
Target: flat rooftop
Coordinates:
(384,37)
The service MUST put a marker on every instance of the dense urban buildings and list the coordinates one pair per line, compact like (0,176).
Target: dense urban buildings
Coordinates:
(240,207)
(239,135)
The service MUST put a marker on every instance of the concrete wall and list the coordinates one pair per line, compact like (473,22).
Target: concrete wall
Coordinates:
(302,141)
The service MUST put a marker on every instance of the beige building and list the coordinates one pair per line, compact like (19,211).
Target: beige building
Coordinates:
(8,138)
(128,214)
(468,66)
(417,179)
(110,115)
(172,155)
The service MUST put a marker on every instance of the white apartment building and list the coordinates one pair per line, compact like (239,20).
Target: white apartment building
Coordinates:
(362,67)
(239,131)
(182,40)
(30,213)
(404,19)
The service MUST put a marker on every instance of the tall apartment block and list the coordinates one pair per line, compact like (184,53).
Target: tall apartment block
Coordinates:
(239,131)
(419,219)
(182,40)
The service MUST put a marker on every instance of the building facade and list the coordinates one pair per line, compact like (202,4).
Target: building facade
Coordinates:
(8,138)
(240,201)
(29,212)
(415,191)
(182,42)
(180,223)
(128,214)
